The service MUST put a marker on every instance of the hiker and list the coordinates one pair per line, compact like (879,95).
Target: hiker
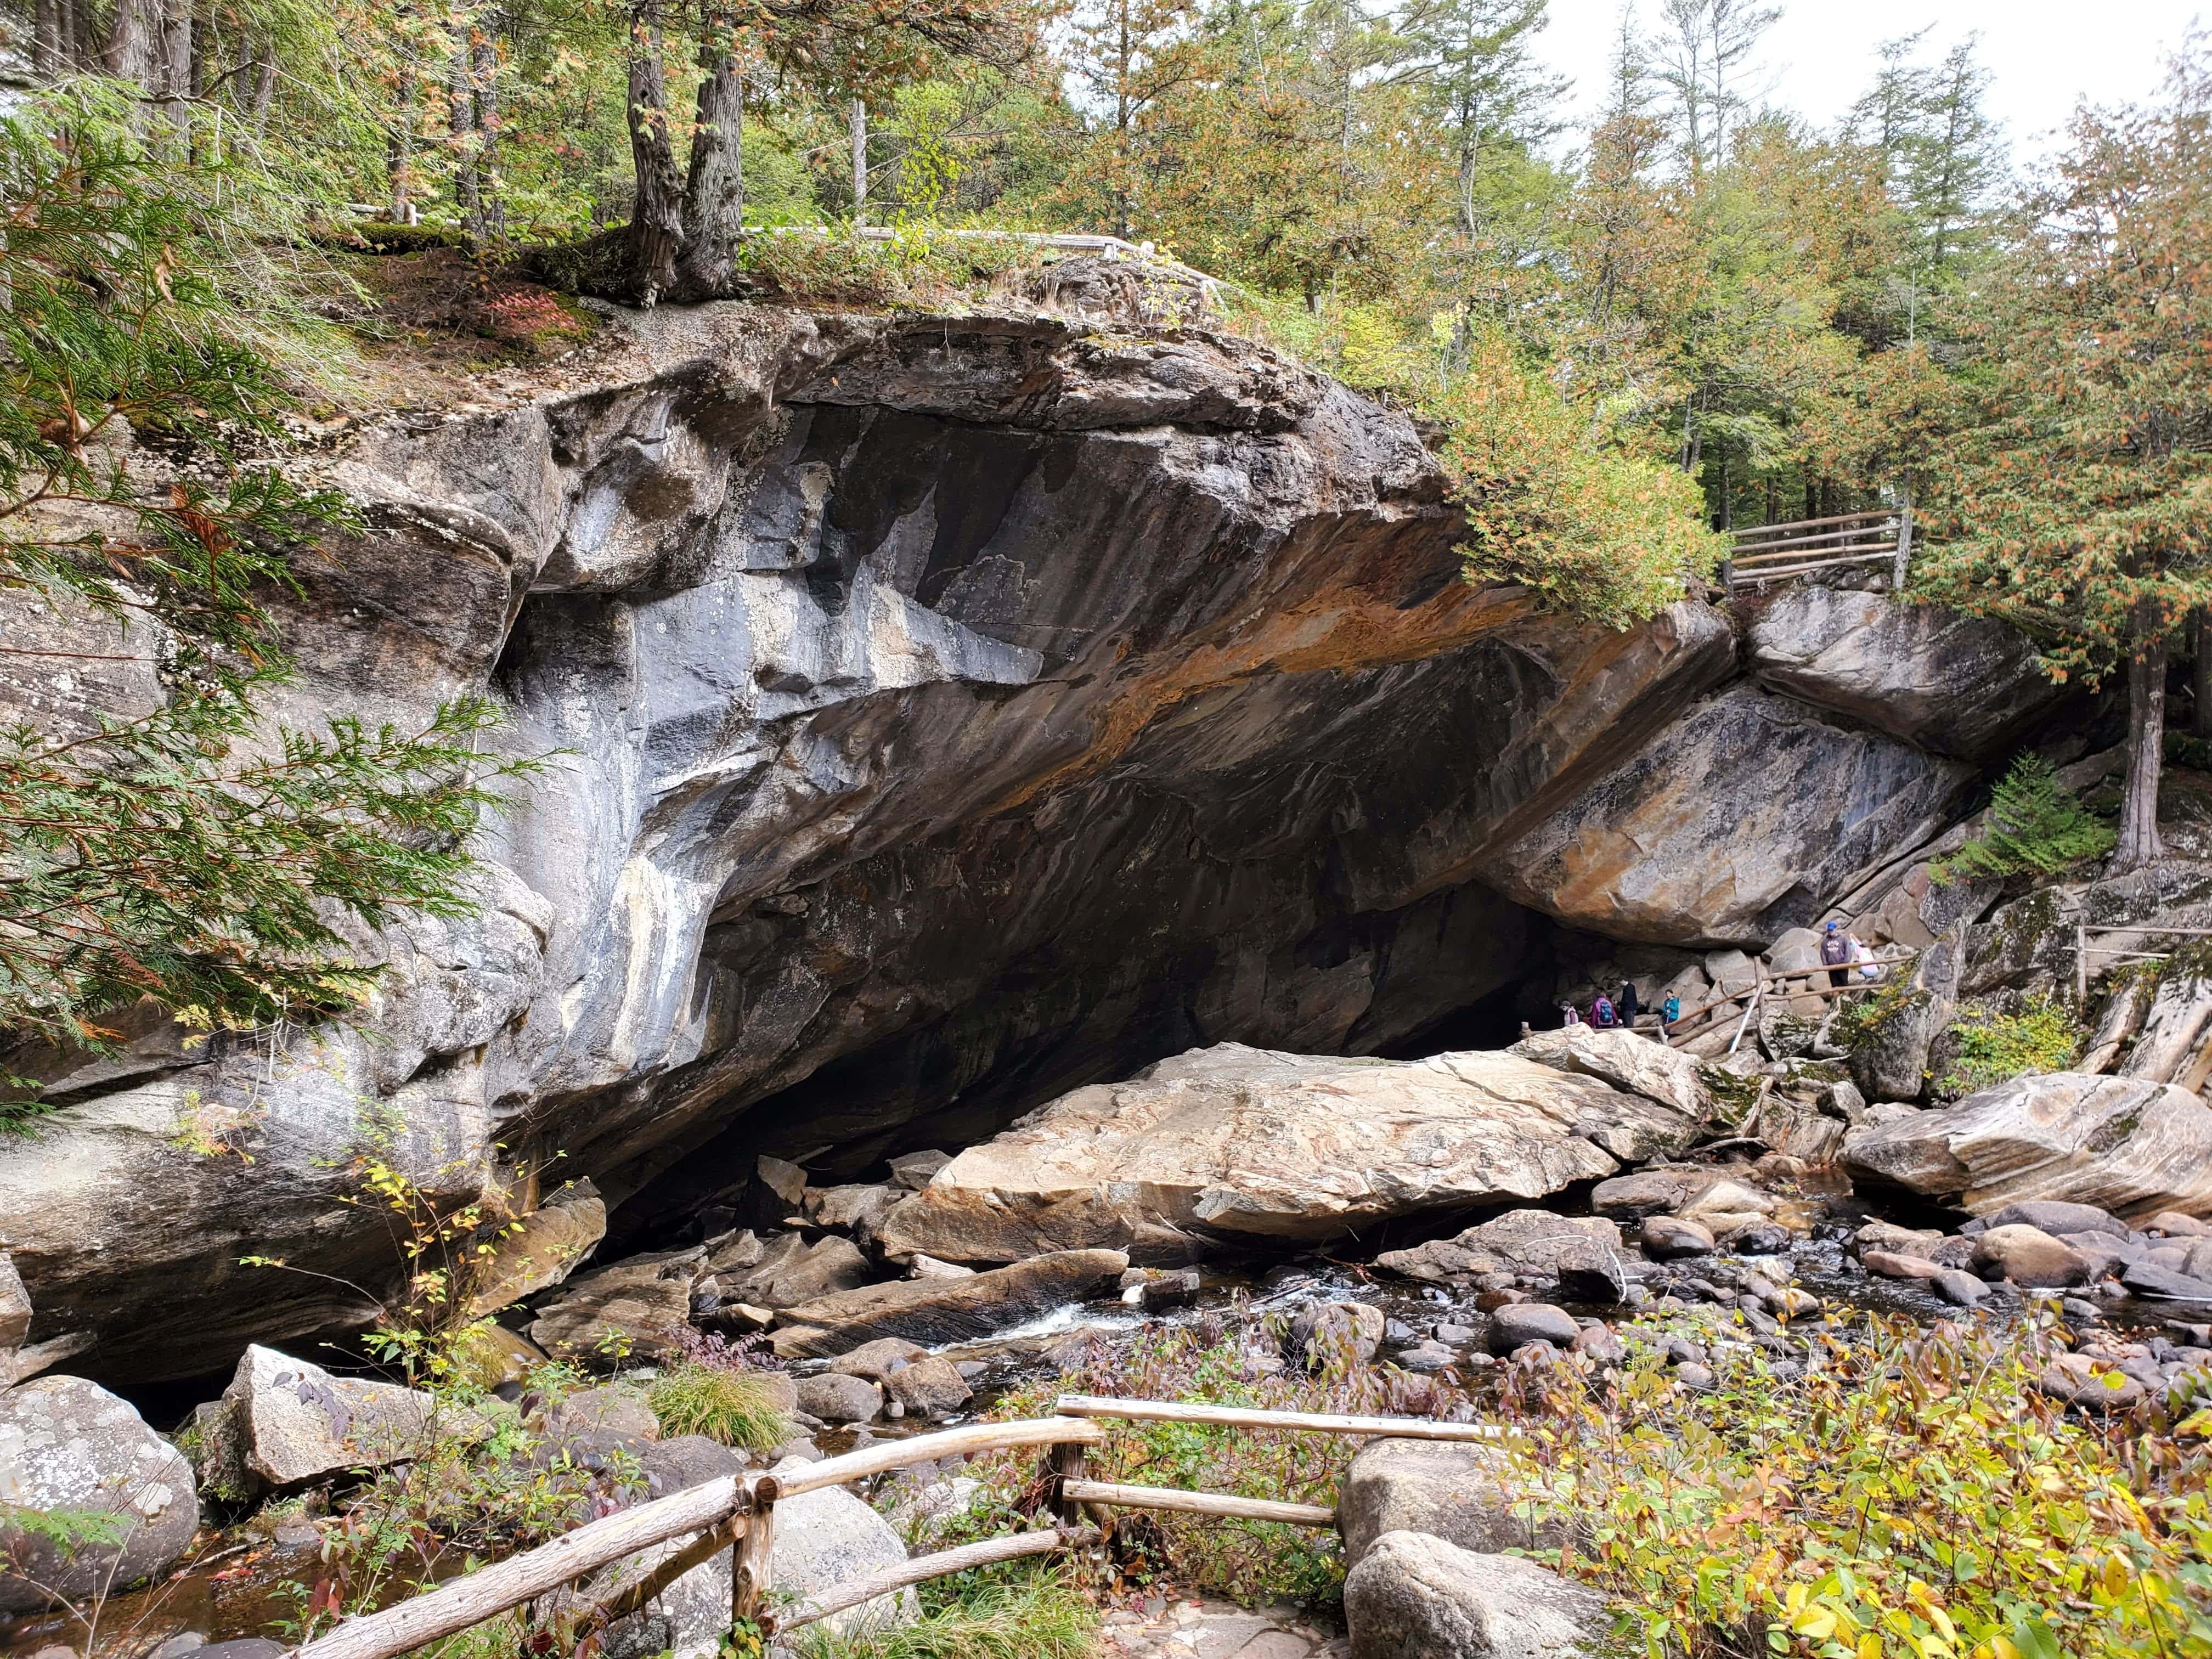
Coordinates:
(1629,1005)
(1862,959)
(1568,1016)
(1601,1017)
(1669,1011)
(1836,953)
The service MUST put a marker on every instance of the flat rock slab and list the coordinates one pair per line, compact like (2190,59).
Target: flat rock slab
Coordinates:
(1237,1145)
(2121,1144)
(934,1310)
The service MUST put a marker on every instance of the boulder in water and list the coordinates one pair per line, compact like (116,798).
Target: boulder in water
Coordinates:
(68,1445)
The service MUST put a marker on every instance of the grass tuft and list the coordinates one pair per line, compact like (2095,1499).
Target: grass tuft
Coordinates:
(736,1408)
(1042,1617)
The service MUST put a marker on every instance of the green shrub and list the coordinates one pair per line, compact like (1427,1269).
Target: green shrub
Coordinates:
(1995,1049)
(2037,827)
(1041,1616)
(736,1408)
(1910,1493)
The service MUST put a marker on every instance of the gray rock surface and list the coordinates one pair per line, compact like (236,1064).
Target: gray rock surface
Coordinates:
(296,1422)
(1734,825)
(635,1309)
(2121,1144)
(827,1538)
(1415,1596)
(2028,1255)
(1518,1324)
(66,1443)
(789,1270)
(1534,1242)
(14,1317)
(1958,684)
(1231,1143)
(1462,1493)
(955,711)
(1890,1062)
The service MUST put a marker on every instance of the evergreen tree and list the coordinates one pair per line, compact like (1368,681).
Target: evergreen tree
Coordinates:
(188,855)
(2078,501)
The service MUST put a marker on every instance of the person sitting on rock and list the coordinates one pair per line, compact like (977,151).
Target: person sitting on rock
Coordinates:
(1602,1016)
(1629,1005)
(1836,953)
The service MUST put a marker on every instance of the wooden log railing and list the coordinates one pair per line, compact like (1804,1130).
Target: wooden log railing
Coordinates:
(737,1513)
(1730,1005)
(1773,552)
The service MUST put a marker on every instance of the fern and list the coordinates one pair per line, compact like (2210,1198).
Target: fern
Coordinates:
(2037,827)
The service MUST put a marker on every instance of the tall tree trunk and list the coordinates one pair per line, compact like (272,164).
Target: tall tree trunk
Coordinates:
(132,51)
(483,85)
(461,126)
(50,37)
(859,125)
(175,68)
(656,223)
(714,193)
(399,151)
(265,88)
(2200,676)
(2139,843)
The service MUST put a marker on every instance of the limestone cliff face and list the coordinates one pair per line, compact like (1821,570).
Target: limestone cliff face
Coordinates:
(943,713)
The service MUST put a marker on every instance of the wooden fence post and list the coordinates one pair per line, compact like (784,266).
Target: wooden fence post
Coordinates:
(1904,543)
(2081,964)
(751,1559)
(1067,1463)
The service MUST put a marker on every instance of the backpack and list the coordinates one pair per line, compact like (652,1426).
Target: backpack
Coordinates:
(1601,1011)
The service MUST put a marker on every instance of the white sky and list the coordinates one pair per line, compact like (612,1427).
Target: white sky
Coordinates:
(2044,55)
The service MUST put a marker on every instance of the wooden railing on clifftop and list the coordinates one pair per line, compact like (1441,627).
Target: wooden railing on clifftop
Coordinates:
(1772,552)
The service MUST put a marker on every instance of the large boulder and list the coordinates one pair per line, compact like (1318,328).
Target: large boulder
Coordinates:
(827,1538)
(1237,1145)
(785,1270)
(1628,1061)
(1958,684)
(2127,1147)
(1530,1243)
(933,1311)
(539,1250)
(1464,1493)
(1889,1060)
(293,1422)
(70,1448)
(636,1309)
(1417,1597)
(1736,823)
(14,1318)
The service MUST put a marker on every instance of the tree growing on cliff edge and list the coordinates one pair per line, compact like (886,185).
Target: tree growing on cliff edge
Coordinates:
(186,854)
(2078,504)
(1584,528)
(687,226)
